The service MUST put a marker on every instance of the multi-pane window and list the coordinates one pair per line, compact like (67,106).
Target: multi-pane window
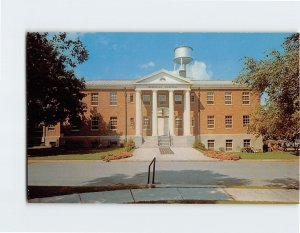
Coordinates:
(178,99)
(94,98)
(162,99)
(228,121)
(228,97)
(113,123)
(246,120)
(147,123)
(193,121)
(211,144)
(246,97)
(210,122)
(51,128)
(210,97)
(146,99)
(113,100)
(229,145)
(132,122)
(95,123)
(131,100)
(178,123)
(193,97)
(247,143)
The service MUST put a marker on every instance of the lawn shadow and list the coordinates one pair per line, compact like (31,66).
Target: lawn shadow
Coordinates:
(184,177)
(52,151)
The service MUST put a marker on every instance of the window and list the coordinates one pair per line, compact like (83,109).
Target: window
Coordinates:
(247,143)
(178,99)
(162,99)
(211,144)
(246,97)
(113,98)
(193,121)
(210,97)
(178,123)
(229,145)
(113,123)
(94,98)
(51,128)
(131,100)
(132,123)
(147,123)
(193,97)
(95,123)
(228,97)
(211,122)
(246,120)
(228,121)
(146,99)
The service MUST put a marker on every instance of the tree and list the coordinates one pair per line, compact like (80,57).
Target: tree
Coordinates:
(53,92)
(277,75)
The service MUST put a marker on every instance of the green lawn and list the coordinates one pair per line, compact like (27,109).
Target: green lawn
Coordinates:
(55,154)
(268,155)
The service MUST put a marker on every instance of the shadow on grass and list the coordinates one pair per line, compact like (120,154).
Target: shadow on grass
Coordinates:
(41,152)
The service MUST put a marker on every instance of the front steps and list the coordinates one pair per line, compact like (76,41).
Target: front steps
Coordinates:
(166,141)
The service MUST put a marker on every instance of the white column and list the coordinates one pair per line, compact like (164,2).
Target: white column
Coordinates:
(154,113)
(171,112)
(138,113)
(187,114)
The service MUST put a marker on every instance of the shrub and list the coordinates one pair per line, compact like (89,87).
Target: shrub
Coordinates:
(222,149)
(122,155)
(129,145)
(199,145)
(221,155)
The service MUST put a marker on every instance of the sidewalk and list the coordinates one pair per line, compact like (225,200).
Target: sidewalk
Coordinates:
(176,194)
(180,154)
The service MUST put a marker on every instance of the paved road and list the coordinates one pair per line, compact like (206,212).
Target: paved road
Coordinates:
(226,173)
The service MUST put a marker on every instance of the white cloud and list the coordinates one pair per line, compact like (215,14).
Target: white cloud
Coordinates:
(147,65)
(198,71)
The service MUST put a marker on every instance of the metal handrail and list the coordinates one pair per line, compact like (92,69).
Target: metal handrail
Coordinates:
(170,138)
(153,171)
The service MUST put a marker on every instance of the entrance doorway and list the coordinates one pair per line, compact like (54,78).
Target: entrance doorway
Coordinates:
(163,126)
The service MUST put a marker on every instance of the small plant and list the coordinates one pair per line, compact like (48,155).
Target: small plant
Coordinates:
(199,145)
(129,145)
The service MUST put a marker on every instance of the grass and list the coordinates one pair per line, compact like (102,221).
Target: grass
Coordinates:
(210,202)
(52,154)
(268,155)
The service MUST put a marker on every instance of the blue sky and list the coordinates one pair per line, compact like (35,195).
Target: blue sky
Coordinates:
(217,56)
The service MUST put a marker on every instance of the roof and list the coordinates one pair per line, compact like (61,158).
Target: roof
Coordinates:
(130,84)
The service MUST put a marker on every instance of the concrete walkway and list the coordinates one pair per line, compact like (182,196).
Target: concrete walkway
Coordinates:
(180,154)
(176,193)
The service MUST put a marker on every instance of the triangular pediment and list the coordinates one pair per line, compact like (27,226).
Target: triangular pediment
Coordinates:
(162,77)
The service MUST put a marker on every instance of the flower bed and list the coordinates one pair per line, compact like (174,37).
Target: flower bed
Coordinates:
(123,155)
(221,155)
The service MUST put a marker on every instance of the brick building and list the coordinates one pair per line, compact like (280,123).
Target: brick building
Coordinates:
(164,106)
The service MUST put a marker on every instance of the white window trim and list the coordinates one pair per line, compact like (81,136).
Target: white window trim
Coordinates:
(94,101)
(131,94)
(246,125)
(249,143)
(226,144)
(181,125)
(193,120)
(110,94)
(228,95)
(231,122)
(214,122)
(211,142)
(213,98)
(148,102)
(249,98)
(92,125)
(110,120)
(181,101)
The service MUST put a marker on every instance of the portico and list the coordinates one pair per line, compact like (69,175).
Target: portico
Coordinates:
(162,88)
